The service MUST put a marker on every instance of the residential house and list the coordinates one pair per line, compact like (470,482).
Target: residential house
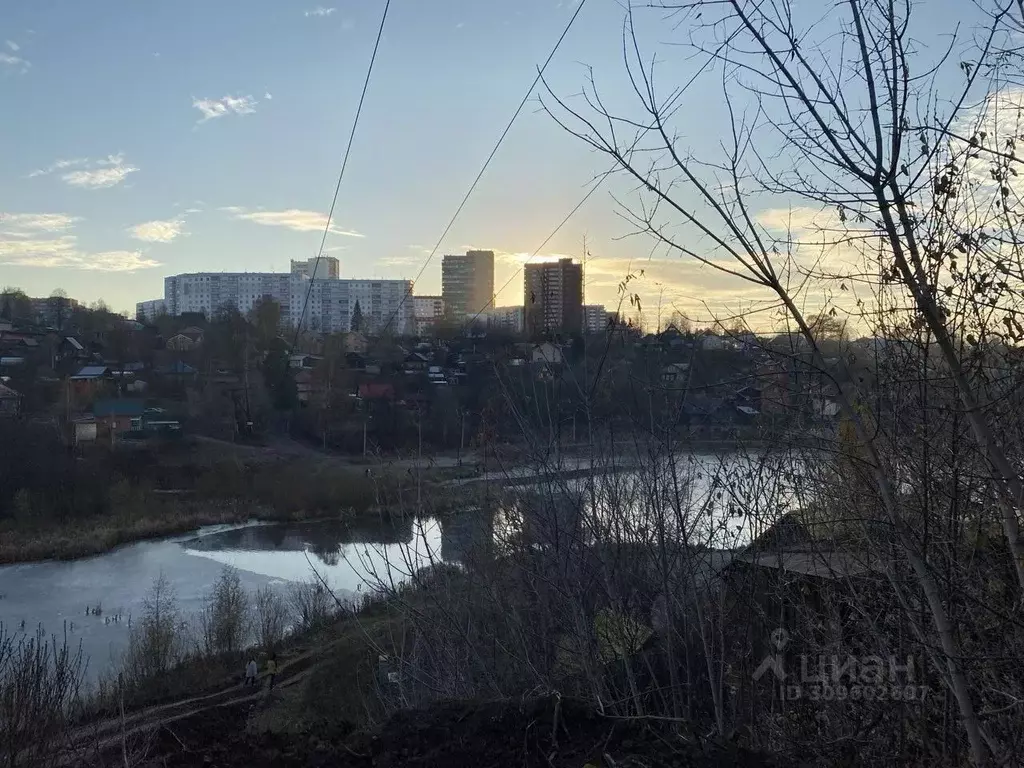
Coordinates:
(711,342)
(376,391)
(356,342)
(10,401)
(307,386)
(675,373)
(304,361)
(182,342)
(118,416)
(89,382)
(175,369)
(416,362)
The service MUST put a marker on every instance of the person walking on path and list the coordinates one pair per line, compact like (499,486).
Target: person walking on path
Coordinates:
(251,671)
(271,671)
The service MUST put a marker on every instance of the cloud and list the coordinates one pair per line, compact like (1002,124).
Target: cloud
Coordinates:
(15,62)
(23,246)
(267,96)
(320,11)
(108,173)
(94,174)
(13,45)
(158,231)
(229,105)
(29,224)
(293,218)
(59,165)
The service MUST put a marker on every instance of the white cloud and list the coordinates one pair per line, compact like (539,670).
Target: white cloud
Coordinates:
(59,165)
(24,247)
(292,218)
(100,178)
(159,231)
(229,105)
(29,224)
(13,45)
(94,174)
(320,11)
(267,96)
(15,62)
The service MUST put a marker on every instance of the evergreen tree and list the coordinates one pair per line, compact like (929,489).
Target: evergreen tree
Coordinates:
(357,319)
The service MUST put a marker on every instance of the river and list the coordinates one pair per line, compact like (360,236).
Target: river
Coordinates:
(57,595)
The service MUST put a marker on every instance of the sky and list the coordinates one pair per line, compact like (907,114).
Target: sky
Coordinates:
(143,139)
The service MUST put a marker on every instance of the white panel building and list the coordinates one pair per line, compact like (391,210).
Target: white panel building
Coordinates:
(595,318)
(148,310)
(505,318)
(331,301)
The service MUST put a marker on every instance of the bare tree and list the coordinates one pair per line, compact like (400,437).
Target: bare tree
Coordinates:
(40,688)
(832,115)
(157,639)
(271,617)
(225,621)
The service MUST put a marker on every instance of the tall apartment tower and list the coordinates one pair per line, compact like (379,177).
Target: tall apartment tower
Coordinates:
(553,297)
(467,283)
(328,268)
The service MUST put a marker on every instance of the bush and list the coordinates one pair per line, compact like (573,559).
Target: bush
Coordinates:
(40,684)
(225,620)
(271,618)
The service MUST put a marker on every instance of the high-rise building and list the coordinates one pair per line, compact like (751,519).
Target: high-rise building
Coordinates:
(149,310)
(467,283)
(505,319)
(53,311)
(329,268)
(323,305)
(553,297)
(207,292)
(427,311)
(595,318)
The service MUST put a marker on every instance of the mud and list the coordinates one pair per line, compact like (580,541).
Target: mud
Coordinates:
(538,732)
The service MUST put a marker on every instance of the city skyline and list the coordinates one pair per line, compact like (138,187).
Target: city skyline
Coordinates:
(193,136)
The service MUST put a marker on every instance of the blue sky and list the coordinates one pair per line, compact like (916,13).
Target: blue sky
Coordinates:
(142,139)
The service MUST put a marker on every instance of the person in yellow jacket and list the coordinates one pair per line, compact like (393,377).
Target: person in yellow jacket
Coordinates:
(271,671)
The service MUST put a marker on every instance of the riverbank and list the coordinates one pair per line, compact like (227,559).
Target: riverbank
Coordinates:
(231,494)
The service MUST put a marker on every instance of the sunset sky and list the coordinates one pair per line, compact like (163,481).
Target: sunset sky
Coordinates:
(141,139)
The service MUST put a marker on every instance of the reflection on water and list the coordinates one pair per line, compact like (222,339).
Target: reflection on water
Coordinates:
(355,558)
(351,559)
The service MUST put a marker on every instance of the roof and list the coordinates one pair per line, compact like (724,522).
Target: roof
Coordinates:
(176,368)
(828,565)
(119,407)
(376,391)
(74,343)
(90,372)
(6,393)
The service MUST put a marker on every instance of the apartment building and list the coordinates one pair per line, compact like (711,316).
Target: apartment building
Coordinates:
(595,318)
(467,283)
(323,305)
(329,268)
(553,297)
(505,319)
(148,311)
(427,311)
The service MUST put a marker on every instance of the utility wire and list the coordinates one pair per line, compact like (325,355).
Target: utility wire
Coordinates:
(341,173)
(540,247)
(487,162)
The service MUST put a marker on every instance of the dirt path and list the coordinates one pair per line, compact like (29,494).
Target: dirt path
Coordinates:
(91,741)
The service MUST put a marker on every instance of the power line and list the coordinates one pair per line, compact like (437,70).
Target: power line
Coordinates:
(487,162)
(341,173)
(547,239)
